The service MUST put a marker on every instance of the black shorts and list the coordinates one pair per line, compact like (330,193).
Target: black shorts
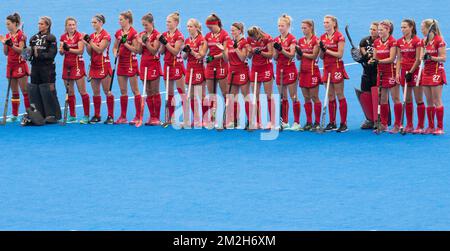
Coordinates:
(368,81)
(42,74)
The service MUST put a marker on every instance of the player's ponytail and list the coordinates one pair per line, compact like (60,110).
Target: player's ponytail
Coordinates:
(175,17)
(239,26)
(286,19)
(389,25)
(310,23)
(100,18)
(255,32)
(14,18)
(213,19)
(194,22)
(68,19)
(412,24)
(436,29)
(148,17)
(334,20)
(128,15)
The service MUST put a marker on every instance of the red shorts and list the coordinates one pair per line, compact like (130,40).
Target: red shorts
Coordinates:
(290,74)
(434,79)
(221,69)
(388,80)
(309,79)
(175,71)
(337,71)
(127,69)
(76,71)
(414,79)
(19,70)
(99,72)
(240,75)
(154,70)
(265,73)
(198,75)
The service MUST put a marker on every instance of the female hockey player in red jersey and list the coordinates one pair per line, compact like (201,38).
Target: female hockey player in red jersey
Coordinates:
(16,69)
(172,42)
(127,69)
(149,48)
(284,54)
(194,51)
(216,69)
(260,50)
(385,52)
(331,45)
(309,77)
(97,46)
(433,76)
(407,69)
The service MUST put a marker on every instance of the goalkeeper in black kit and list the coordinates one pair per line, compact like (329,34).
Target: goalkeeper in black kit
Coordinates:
(45,108)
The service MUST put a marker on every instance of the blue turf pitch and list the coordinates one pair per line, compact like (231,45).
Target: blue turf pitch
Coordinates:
(120,177)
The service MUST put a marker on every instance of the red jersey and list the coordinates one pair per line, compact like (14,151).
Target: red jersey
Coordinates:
(72,42)
(126,55)
(146,54)
(286,44)
(233,57)
(213,39)
(432,67)
(332,44)
(14,57)
(99,59)
(262,45)
(384,51)
(408,51)
(169,58)
(307,64)
(195,44)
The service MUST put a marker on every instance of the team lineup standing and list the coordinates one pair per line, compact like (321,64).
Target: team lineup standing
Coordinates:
(221,58)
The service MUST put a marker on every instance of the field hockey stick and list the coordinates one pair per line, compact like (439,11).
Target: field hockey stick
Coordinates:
(402,129)
(115,67)
(213,111)
(66,101)
(224,119)
(144,95)
(379,105)
(254,103)
(187,114)
(281,100)
(88,75)
(325,105)
(8,90)
(166,110)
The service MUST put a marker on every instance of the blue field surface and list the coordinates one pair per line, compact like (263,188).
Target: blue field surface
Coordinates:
(98,177)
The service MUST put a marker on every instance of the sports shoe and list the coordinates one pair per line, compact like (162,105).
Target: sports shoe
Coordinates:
(394,130)
(229,126)
(134,121)
(342,128)
(121,120)
(438,131)
(331,127)
(285,126)
(307,127)
(418,130)
(109,121)
(95,120)
(409,129)
(315,127)
(71,120)
(383,128)
(295,127)
(84,120)
(429,130)
(367,125)
(12,119)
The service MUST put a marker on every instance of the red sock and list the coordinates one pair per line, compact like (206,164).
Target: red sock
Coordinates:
(171,107)
(149,101)
(258,113)
(420,115)
(398,114)
(409,114)
(285,111)
(15,100)
(332,111)
(343,110)
(86,104)
(269,108)
(137,105)
(308,111)
(157,105)
(317,111)
(97,105)
(384,113)
(296,108)
(26,100)
(193,105)
(440,117)
(110,104)
(72,102)
(205,108)
(123,106)
(430,115)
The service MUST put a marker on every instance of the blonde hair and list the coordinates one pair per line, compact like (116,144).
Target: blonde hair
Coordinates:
(175,16)
(128,15)
(335,21)
(194,22)
(67,21)
(285,18)
(310,22)
(436,29)
(389,24)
